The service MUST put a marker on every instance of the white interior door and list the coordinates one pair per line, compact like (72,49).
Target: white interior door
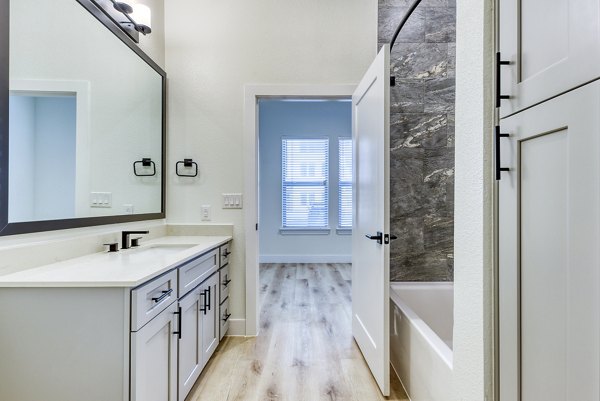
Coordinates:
(371,257)
(549,265)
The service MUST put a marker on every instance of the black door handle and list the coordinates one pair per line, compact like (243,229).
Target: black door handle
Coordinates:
(178,332)
(499,63)
(499,135)
(378,237)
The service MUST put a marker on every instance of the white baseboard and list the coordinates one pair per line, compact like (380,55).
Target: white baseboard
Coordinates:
(305,258)
(237,327)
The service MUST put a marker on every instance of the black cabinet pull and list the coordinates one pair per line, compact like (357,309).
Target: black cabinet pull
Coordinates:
(209,297)
(226,253)
(178,332)
(497,136)
(378,237)
(204,307)
(226,316)
(164,295)
(499,63)
(226,281)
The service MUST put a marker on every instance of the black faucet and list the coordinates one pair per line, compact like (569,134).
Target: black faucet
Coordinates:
(125,237)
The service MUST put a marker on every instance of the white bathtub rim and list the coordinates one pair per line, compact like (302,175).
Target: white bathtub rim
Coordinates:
(439,346)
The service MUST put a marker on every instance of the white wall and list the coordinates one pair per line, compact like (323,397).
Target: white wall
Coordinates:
(214,48)
(277,118)
(473,244)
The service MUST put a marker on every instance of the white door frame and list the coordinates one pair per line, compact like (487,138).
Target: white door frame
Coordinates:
(252,93)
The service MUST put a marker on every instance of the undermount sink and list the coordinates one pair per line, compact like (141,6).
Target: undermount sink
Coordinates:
(162,249)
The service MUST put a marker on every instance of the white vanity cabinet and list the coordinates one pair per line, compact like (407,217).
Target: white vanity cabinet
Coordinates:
(108,338)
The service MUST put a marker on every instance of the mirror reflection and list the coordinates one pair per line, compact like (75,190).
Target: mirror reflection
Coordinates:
(83,108)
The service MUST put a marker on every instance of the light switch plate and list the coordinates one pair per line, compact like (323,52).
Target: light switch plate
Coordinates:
(205,212)
(101,199)
(232,201)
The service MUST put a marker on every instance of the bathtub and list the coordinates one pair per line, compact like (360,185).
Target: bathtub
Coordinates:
(421,338)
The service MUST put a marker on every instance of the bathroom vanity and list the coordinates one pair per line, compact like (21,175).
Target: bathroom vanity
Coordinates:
(139,324)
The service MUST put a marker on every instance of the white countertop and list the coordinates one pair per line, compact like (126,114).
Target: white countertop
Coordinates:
(126,268)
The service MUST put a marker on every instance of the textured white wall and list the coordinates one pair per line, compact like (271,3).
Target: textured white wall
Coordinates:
(214,48)
(473,245)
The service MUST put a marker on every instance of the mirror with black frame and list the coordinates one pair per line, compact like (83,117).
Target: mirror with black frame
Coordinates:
(85,125)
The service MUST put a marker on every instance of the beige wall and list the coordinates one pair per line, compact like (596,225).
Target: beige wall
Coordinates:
(214,48)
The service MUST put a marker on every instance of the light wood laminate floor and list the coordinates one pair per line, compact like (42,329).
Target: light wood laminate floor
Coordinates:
(304,351)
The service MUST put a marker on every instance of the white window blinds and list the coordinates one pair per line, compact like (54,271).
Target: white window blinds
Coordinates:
(345,183)
(305,172)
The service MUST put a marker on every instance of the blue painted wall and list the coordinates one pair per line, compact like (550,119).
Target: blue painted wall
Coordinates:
(278,118)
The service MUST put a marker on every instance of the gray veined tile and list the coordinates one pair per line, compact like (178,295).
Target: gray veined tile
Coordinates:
(439,95)
(406,183)
(451,59)
(410,235)
(390,17)
(451,130)
(421,130)
(440,25)
(438,233)
(420,60)
(407,96)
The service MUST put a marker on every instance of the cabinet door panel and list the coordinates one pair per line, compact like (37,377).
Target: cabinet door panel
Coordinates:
(549,264)
(552,46)
(210,320)
(190,350)
(154,359)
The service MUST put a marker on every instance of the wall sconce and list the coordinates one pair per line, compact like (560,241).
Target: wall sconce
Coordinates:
(138,15)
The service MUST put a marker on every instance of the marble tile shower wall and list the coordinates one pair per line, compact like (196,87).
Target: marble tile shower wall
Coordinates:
(422,138)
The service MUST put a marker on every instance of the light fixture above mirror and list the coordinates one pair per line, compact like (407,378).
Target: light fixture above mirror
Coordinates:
(130,16)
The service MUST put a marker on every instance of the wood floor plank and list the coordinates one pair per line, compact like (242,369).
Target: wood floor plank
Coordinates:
(304,351)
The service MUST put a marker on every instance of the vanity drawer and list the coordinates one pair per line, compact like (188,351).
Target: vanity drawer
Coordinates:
(151,298)
(225,281)
(225,251)
(194,272)
(224,316)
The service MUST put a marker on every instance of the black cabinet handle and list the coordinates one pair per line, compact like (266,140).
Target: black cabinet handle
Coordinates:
(164,295)
(497,136)
(209,297)
(204,308)
(226,316)
(499,63)
(226,281)
(226,253)
(178,332)
(378,237)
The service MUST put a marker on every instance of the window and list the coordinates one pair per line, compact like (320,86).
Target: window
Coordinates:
(305,172)
(345,184)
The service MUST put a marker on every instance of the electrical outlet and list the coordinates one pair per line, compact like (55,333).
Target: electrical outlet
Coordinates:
(232,201)
(205,211)
(101,199)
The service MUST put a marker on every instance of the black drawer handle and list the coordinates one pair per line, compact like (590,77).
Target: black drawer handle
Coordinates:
(179,319)
(226,281)
(226,316)
(164,295)
(226,253)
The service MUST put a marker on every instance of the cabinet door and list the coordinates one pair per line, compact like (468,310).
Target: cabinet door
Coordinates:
(549,224)
(552,45)
(210,316)
(154,359)
(190,342)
